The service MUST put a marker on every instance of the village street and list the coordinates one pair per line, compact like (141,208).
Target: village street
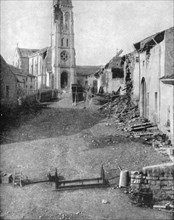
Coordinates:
(76,140)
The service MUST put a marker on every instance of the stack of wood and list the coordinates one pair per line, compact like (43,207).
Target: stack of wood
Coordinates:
(142,127)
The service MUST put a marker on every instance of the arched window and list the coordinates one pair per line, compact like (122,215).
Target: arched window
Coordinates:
(64,80)
(61,20)
(62,42)
(67,17)
(67,42)
(66,20)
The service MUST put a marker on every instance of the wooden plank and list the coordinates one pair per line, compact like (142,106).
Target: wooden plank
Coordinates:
(141,125)
(81,186)
(142,128)
(79,180)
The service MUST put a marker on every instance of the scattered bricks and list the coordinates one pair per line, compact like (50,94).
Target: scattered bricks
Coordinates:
(166,188)
(158,182)
(145,186)
(170,178)
(134,181)
(156,187)
(155,172)
(164,178)
(135,186)
(164,183)
(152,178)
(151,182)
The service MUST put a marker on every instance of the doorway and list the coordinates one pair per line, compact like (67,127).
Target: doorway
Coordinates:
(64,80)
(143,97)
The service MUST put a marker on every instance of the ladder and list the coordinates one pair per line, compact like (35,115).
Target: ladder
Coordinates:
(17,178)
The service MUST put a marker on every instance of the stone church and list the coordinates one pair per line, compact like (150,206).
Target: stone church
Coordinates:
(62,44)
(54,67)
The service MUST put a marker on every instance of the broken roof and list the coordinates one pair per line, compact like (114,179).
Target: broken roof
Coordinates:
(168,79)
(40,51)
(151,41)
(24,52)
(17,71)
(62,2)
(86,70)
(114,62)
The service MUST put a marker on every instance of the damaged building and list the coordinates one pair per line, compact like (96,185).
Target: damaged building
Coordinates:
(111,77)
(40,67)
(83,74)
(154,87)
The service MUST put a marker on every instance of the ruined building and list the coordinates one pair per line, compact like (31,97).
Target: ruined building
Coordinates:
(154,85)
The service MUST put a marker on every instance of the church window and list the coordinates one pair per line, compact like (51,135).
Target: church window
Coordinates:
(67,43)
(61,20)
(66,16)
(62,42)
(64,55)
(66,20)
(55,14)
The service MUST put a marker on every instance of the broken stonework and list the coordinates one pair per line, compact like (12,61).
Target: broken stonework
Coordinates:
(158,178)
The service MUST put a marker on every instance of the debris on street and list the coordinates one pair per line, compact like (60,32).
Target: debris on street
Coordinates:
(105,201)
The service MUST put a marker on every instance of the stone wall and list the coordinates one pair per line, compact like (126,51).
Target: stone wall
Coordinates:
(169,52)
(159,179)
(8,81)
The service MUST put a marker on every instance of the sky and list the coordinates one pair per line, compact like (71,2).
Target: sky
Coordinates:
(101,27)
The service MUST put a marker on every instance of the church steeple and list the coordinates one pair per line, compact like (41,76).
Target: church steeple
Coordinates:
(62,3)
(63,52)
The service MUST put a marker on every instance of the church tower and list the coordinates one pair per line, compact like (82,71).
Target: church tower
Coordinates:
(63,52)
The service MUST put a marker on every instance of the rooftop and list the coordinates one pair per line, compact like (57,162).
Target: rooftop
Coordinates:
(152,40)
(86,70)
(24,52)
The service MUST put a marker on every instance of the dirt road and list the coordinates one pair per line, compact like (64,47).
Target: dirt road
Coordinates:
(77,141)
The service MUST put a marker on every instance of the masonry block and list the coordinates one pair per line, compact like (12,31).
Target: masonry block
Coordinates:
(152,178)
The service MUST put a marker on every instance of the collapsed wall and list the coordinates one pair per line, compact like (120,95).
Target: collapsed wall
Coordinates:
(159,179)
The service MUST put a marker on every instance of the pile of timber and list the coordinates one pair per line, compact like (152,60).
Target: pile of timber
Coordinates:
(142,126)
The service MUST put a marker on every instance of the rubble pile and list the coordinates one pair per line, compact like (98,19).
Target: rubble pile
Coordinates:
(127,114)
(121,107)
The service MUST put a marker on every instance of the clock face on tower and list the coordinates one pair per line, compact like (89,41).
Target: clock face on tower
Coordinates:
(64,55)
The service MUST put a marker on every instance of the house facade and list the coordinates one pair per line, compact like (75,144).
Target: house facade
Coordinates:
(26,81)
(83,74)
(21,58)
(111,77)
(154,72)
(40,68)
(8,85)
